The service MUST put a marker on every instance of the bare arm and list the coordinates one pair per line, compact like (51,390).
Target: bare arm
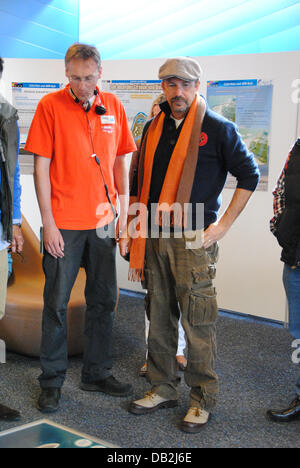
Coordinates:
(53,240)
(218,229)
(121,176)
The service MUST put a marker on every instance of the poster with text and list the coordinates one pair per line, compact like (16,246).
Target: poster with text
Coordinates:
(247,103)
(25,98)
(137,97)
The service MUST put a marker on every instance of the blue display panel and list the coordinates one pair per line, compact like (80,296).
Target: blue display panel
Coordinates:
(38,28)
(140,29)
(143,29)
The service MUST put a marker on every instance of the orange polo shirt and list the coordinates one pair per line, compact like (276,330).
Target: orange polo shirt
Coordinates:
(62,131)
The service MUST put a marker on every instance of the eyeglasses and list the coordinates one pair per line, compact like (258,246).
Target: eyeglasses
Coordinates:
(85,79)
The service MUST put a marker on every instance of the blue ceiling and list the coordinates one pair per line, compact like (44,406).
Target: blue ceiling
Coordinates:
(38,28)
(143,29)
(137,29)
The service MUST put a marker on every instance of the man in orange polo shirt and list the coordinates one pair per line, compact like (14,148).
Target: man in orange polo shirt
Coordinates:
(80,138)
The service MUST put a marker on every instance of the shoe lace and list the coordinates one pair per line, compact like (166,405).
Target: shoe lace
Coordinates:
(150,395)
(196,411)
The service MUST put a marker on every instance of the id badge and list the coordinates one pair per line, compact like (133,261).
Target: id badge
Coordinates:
(107,119)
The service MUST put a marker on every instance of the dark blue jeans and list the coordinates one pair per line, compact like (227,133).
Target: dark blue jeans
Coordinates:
(97,255)
(291,281)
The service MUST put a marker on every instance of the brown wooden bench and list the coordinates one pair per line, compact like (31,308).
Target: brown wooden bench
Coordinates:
(21,326)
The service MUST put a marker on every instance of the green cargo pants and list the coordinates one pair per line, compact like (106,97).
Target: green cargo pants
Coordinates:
(180,279)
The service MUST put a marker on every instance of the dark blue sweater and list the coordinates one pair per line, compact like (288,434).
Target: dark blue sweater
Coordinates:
(222,151)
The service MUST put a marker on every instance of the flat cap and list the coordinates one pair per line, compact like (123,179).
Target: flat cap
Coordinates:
(184,68)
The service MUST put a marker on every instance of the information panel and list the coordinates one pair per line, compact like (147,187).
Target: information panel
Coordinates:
(248,103)
(137,97)
(26,97)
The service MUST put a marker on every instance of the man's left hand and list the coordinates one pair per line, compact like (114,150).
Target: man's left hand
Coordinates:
(124,246)
(17,239)
(122,239)
(213,234)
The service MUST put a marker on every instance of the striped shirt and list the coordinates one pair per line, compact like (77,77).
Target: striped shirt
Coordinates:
(279,197)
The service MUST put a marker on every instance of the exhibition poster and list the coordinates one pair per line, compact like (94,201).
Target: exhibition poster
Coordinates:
(247,103)
(25,98)
(137,97)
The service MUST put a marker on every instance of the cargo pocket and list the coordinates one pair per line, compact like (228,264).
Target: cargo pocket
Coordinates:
(213,252)
(212,270)
(203,308)
(201,277)
(198,252)
(212,255)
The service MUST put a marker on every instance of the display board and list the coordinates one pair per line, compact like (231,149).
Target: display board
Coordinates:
(25,98)
(137,97)
(247,103)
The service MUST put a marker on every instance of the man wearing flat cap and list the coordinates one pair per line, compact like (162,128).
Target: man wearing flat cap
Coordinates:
(185,155)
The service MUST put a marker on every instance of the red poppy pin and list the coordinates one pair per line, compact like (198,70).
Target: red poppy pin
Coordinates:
(203,139)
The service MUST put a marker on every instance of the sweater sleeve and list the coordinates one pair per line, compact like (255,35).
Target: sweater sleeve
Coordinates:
(17,216)
(240,161)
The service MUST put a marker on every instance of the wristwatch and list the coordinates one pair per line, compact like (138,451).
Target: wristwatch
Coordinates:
(18,224)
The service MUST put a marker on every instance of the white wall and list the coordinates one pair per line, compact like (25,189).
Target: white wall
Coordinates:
(249,271)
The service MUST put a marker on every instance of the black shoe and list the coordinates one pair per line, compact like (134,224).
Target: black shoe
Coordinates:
(49,400)
(110,386)
(290,414)
(8,414)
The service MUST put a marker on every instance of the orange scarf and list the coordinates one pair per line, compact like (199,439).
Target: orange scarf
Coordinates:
(171,183)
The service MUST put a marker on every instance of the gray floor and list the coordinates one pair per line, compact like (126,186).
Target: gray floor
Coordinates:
(255,369)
